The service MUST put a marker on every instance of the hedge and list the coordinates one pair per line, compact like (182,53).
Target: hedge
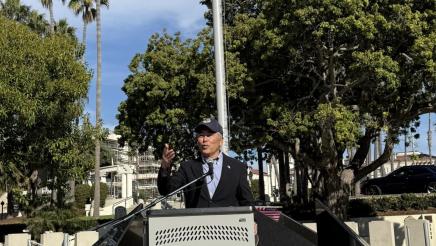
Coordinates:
(63,220)
(84,192)
(81,195)
(372,206)
(104,191)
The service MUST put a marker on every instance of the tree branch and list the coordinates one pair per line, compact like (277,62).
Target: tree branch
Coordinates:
(361,153)
(389,146)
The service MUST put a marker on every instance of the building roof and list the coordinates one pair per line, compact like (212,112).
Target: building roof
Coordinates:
(256,172)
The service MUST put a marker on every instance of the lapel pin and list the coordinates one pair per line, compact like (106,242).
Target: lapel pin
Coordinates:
(228,166)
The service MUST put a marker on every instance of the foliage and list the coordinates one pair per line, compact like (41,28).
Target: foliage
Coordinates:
(104,191)
(171,88)
(331,75)
(48,220)
(309,77)
(72,157)
(107,155)
(147,194)
(19,198)
(14,10)
(63,220)
(86,8)
(82,194)
(42,87)
(371,206)
(255,188)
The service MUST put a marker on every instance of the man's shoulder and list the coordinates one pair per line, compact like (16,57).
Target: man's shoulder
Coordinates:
(190,162)
(233,161)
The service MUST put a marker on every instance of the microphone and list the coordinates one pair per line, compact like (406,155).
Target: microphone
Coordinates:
(209,163)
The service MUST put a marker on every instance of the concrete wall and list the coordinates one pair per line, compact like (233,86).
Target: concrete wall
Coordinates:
(17,239)
(83,238)
(381,233)
(52,238)
(86,238)
(398,226)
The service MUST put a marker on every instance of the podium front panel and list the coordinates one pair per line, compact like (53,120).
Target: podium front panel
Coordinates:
(205,226)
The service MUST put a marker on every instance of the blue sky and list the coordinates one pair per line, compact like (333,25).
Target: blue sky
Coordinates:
(126,28)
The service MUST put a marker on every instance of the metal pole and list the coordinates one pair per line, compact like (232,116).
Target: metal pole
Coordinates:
(2,203)
(66,238)
(220,71)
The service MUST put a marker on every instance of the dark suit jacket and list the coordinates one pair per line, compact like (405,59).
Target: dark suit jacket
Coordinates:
(232,190)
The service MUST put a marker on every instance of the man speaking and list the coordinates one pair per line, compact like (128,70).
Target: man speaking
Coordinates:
(226,186)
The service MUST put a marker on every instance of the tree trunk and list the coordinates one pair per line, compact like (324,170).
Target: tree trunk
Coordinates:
(333,192)
(97,117)
(84,40)
(52,20)
(276,180)
(72,185)
(287,171)
(282,178)
(405,149)
(301,180)
(429,133)
(261,176)
(429,137)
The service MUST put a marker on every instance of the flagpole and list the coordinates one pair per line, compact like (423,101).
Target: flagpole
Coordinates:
(220,71)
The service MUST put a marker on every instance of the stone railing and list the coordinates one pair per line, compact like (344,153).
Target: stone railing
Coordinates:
(83,238)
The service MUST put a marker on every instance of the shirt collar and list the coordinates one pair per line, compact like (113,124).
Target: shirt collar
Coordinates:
(220,157)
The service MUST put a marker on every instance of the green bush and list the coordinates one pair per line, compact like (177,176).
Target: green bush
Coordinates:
(104,191)
(82,193)
(51,219)
(370,206)
(63,220)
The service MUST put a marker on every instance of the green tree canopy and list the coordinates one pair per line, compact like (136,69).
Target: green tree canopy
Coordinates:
(42,87)
(313,77)
(334,74)
(170,89)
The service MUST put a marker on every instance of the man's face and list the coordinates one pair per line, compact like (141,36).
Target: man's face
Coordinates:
(209,143)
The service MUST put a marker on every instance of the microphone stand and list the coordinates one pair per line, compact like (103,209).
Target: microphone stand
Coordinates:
(154,202)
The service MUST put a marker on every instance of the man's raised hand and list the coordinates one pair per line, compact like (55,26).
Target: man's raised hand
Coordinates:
(167,157)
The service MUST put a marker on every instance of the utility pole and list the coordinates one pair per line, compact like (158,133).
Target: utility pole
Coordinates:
(220,74)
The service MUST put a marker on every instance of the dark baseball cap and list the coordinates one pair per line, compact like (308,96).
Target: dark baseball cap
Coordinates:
(210,123)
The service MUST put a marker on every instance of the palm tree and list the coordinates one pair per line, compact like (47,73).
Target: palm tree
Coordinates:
(62,27)
(88,11)
(49,4)
(97,116)
(13,10)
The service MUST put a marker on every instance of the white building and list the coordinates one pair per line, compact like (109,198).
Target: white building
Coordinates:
(129,174)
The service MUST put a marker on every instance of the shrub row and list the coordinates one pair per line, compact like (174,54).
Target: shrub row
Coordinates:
(371,206)
(65,220)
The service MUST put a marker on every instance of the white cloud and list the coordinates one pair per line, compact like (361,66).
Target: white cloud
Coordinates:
(183,14)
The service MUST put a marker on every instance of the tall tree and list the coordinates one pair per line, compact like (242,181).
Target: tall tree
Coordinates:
(97,116)
(335,76)
(317,77)
(41,82)
(89,14)
(171,88)
(49,5)
(14,10)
